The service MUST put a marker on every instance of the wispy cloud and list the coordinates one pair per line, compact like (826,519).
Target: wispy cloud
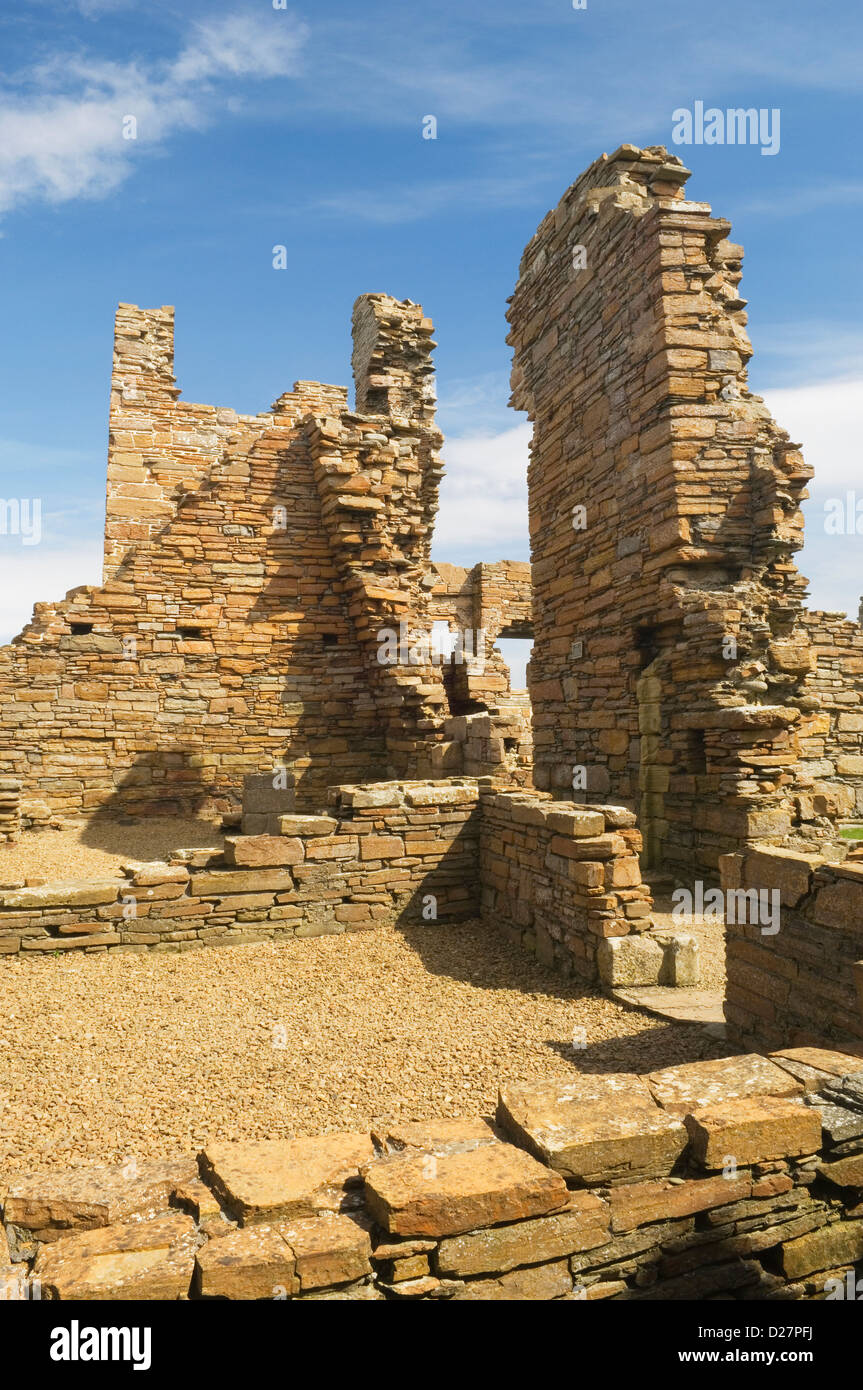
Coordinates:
(808,351)
(410,202)
(62,124)
(796,202)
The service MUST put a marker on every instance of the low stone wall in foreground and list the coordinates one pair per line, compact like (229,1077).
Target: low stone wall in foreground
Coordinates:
(738,1178)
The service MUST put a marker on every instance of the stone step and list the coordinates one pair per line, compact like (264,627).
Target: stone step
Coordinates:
(681,1005)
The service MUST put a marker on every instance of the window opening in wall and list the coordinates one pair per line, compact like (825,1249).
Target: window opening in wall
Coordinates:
(329,639)
(516,652)
(188,632)
(81,629)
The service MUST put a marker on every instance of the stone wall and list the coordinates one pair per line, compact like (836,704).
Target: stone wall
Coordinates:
(736,1179)
(10,807)
(803,983)
(835,756)
(391,851)
(251,563)
(560,878)
(670,654)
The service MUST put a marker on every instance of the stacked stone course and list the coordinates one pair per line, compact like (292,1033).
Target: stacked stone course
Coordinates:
(250,565)
(735,1179)
(802,983)
(393,851)
(670,605)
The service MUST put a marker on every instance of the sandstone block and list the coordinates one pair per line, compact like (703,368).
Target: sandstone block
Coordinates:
(305,826)
(253,1263)
(240,881)
(753,1130)
(430,1195)
(697,1084)
(272,1179)
(250,851)
(832,1247)
(146,1260)
(639,1204)
(86,1198)
(596,1129)
(501,1248)
(328,1250)
(523,1285)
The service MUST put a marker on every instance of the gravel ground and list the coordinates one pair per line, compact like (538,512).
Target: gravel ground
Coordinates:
(107,1056)
(97,849)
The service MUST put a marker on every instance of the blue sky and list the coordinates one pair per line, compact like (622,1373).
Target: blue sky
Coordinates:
(302,126)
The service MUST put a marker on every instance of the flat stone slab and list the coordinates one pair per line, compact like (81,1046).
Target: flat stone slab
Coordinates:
(436,1136)
(837,1123)
(683,1005)
(846,1091)
(285,1260)
(695,1085)
(753,1130)
(134,1260)
(830,1248)
(638,1204)
(595,1128)
(260,1182)
(72,893)
(429,1195)
(501,1248)
(85,1198)
(251,851)
(814,1065)
(845,1172)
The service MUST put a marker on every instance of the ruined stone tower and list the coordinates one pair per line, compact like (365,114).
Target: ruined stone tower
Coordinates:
(670,661)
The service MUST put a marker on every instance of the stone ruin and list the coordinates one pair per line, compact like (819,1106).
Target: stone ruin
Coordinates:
(689,720)
(250,564)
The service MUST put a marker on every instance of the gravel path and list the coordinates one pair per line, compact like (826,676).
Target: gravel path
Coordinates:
(112,1055)
(97,849)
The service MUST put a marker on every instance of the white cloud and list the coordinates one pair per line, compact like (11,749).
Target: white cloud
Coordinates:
(39,574)
(61,130)
(827,420)
(483,499)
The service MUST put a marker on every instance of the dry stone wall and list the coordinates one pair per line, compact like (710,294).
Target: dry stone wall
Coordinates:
(559,878)
(405,851)
(671,654)
(801,980)
(251,563)
(835,754)
(734,1179)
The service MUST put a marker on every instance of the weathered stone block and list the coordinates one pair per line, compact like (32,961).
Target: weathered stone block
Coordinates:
(533,1242)
(145,1260)
(273,1179)
(250,851)
(752,1130)
(694,1085)
(431,1195)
